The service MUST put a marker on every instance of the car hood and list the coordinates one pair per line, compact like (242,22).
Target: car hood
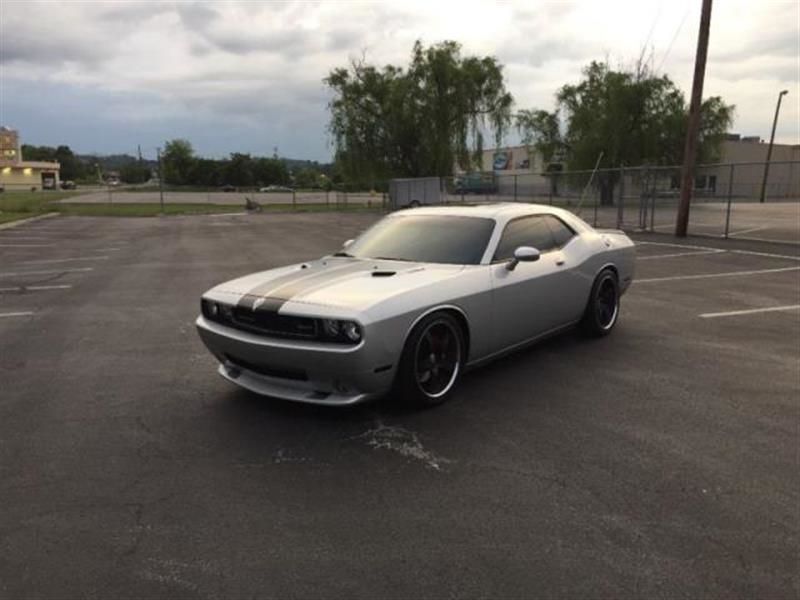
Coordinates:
(350,285)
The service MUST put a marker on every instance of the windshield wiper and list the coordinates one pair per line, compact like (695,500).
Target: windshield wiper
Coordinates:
(391,258)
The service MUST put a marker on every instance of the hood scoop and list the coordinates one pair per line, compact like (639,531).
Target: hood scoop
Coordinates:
(383,273)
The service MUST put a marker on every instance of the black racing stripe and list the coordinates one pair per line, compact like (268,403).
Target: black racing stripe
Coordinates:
(273,294)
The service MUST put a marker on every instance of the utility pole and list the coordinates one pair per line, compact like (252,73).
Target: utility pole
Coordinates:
(769,149)
(690,149)
(160,179)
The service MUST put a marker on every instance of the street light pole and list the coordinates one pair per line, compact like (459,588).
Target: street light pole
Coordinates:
(160,179)
(769,149)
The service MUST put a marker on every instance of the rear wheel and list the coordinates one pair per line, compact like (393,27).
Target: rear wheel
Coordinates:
(432,361)
(602,310)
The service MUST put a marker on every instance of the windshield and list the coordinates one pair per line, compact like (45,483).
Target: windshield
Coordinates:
(426,238)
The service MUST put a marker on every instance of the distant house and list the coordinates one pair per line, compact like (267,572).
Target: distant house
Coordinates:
(16,173)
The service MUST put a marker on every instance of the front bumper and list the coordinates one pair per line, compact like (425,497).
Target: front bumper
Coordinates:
(312,372)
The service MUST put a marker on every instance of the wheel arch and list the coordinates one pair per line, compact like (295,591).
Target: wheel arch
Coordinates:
(608,265)
(452,309)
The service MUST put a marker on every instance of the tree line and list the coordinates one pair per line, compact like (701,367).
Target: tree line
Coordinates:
(432,116)
(182,167)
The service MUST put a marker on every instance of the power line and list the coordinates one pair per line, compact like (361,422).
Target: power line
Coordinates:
(674,37)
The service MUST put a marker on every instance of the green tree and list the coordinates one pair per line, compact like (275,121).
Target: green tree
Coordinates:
(270,171)
(205,172)
(238,170)
(135,172)
(308,178)
(177,160)
(540,133)
(628,118)
(422,120)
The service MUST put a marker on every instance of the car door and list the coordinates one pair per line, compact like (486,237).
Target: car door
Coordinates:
(527,301)
(574,286)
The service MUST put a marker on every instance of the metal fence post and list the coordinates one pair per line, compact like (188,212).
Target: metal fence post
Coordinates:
(653,207)
(327,198)
(515,188)
(621,204)
(294,199)
(596,201)
(730,199)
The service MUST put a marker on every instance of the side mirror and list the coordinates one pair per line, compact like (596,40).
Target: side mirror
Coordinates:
(523,254)
(347,243)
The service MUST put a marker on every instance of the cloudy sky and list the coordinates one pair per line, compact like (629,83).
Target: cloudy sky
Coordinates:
(246,76)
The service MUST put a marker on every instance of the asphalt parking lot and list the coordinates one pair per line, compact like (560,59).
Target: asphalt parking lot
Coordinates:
(661,461)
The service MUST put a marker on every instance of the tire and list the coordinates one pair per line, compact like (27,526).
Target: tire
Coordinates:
(602,310)
(426,381)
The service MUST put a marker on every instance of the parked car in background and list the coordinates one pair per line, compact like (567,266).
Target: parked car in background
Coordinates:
(228,188)
(68,185)
(418,298)
(275,188)
(475,183)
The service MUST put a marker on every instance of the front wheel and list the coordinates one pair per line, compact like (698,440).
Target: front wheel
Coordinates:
(602,309)
(432,361)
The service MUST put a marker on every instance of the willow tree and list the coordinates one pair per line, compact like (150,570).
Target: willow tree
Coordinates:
(420,120)
(625,118)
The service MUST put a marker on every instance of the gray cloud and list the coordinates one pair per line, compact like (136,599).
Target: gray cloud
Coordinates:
(258,66)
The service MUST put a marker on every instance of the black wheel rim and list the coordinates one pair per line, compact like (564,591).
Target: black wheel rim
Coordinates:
(437,359)
(606,304)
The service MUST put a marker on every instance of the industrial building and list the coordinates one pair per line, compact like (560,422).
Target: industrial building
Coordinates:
(739,171)
(19,174)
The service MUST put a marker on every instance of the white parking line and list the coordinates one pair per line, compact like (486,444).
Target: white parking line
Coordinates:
(678,254)
(35,288)
(48,272)
(59,260)
(710,275)
(25,245)
(16,314)
(749,252)
(750,311)
(671,245)
(741,231)
(767,254)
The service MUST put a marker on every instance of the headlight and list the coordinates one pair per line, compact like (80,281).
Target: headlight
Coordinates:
(216,311)
(351,331)
(209,309)
(335,330)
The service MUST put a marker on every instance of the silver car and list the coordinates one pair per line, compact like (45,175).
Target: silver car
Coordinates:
(420,297)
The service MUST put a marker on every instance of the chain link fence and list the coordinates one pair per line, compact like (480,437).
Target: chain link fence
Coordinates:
(726,199)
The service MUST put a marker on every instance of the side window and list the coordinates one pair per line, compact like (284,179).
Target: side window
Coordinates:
(561,232)
(528,231)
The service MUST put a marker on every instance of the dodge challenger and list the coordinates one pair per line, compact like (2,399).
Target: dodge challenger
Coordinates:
(420,297)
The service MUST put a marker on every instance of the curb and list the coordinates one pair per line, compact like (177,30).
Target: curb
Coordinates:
(13,224)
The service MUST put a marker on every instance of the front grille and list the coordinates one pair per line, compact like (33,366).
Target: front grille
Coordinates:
(271,323)
(268,370)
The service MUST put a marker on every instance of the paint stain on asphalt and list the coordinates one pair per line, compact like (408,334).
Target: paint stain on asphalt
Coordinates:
(403,442)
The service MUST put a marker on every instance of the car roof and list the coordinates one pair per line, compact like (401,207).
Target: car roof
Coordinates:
(500,211)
